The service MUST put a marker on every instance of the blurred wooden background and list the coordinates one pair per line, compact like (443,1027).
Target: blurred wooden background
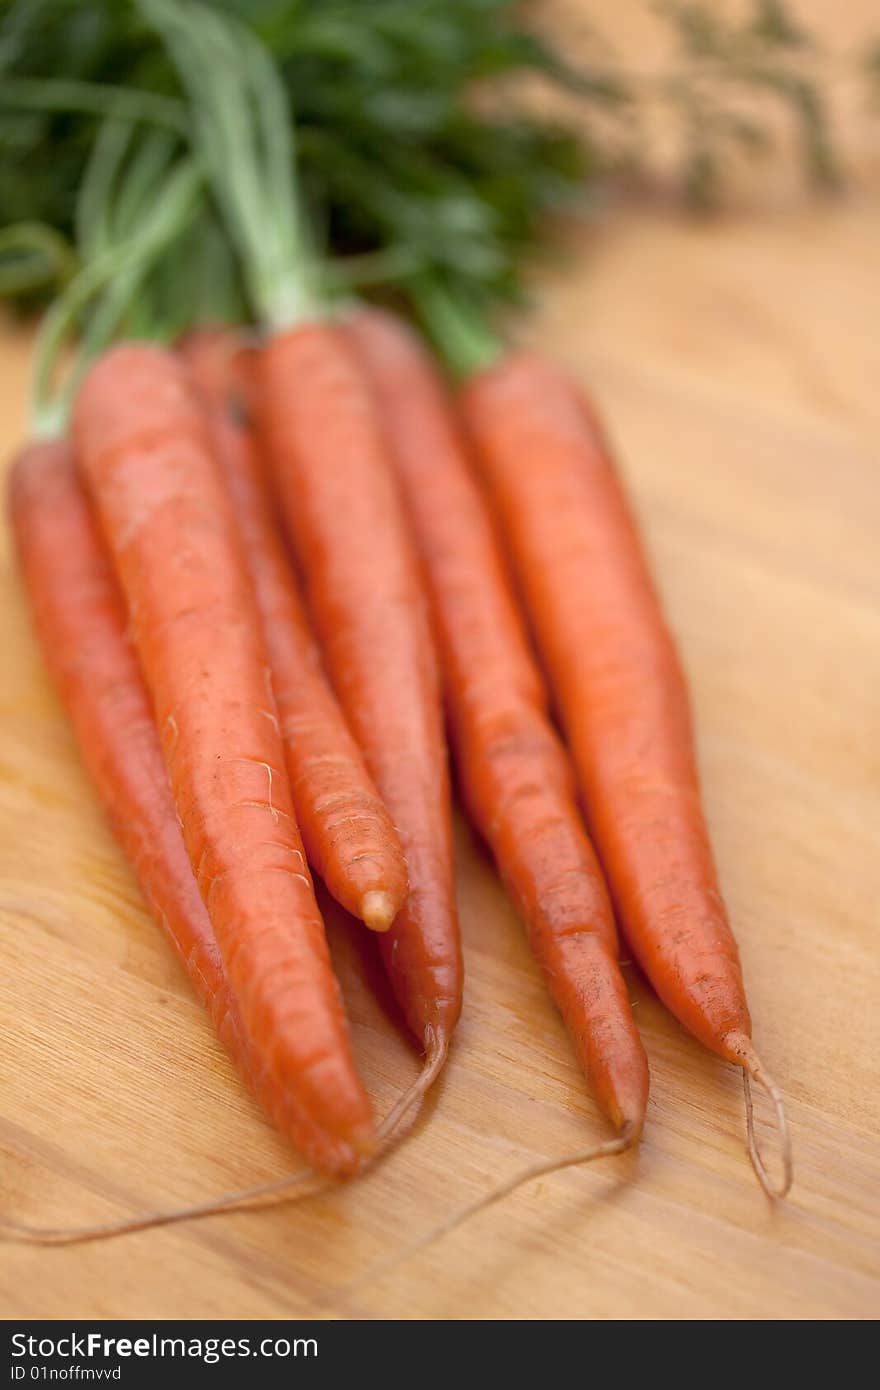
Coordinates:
(737,362)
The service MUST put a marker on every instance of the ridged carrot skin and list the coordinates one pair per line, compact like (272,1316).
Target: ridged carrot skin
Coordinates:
(142,446)
(337,487)
(618,683)
(514,773)
(81,622)
(348,834)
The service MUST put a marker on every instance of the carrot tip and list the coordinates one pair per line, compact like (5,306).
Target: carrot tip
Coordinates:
(377,910)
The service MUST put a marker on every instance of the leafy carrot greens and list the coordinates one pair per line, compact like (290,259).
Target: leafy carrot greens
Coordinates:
(417,148)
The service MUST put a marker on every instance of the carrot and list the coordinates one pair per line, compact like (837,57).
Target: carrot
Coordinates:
(617,680)
(142,446)
(81,623)
(514,774)
(337,488)
(338,493)
(347,832)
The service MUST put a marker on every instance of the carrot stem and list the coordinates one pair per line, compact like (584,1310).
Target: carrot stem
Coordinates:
(244,132)
(118,269)
(43,94)
(461,334)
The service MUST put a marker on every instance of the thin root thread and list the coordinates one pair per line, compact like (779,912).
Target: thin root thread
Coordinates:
(754,1070)
(255,1198)
(435,1058)
(248,1198)
(625,1140)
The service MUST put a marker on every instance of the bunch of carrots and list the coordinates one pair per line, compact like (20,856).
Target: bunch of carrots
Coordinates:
(272,569)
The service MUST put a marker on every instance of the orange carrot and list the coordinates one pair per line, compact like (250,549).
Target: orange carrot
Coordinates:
(338,491)
(142,445)
(514,773)
(81,622)
(619,686)
(348,834)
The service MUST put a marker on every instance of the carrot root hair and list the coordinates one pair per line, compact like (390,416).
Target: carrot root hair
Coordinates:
(436,1052)
(543,1168)
(269,1194)
(245,1199)
(754,1070)
(609,1148)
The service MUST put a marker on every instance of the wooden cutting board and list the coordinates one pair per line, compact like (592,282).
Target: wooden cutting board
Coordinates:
(738,365)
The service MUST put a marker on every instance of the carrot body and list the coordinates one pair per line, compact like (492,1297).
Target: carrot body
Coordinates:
(348,834)
(345,516)
(618,683)
(169,526)
(81,623)
(513,770)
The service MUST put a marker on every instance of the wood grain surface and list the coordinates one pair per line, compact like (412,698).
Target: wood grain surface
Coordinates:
(738,365)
